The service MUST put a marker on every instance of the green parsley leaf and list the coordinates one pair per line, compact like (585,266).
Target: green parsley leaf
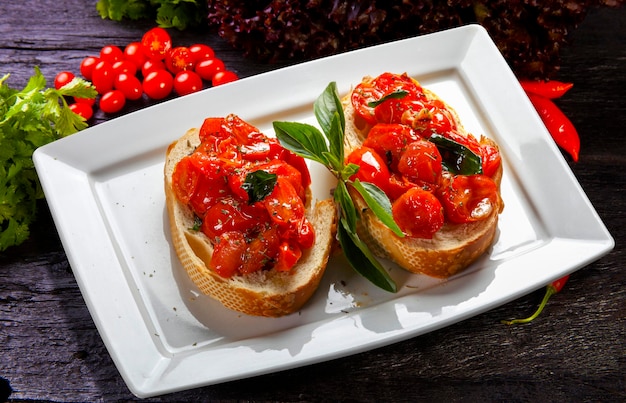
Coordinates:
(259,184)
(30,118)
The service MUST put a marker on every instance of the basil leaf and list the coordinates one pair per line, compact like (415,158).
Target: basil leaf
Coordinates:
(325,106)
(303,139)
(348,171)
(343,199)
(336,136)
(457,158)
(259,184)
(397,94)
(379,203)
(362,260)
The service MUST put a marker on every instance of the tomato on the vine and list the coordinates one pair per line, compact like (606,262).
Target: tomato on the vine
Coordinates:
(111,54)
(187,82)
(82,109)
(87,65)
(178,59)
(102,77)
(224,77)
(158,84)
(112,101)
(63,78)
(207,68)
(129,85)
(156,43)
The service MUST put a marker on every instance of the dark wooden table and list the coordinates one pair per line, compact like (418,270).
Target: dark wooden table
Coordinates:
(575,351)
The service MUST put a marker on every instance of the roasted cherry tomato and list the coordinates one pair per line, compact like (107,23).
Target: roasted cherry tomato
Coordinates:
(158,84)
(198,180)
(372,168)
(228,253)
(468,198)
(178,59)
(156,43)
(367,94)
(418,213)
(261,251)
(421,162)
(63,78)
(187,82)
(390,141)
(112,101)
(288,256)
(82,109)
(229,214)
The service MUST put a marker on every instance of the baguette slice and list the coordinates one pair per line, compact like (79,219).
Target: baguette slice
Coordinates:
(263,293)
(451,249)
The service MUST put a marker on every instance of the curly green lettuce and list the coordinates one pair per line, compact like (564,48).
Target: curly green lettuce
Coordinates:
(30,118)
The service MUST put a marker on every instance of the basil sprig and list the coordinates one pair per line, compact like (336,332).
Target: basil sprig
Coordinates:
(326,147)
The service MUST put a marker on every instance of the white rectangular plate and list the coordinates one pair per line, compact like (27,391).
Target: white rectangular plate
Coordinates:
(104,186)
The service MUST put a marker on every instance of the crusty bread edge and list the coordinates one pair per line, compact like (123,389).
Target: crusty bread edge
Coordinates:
(266,293)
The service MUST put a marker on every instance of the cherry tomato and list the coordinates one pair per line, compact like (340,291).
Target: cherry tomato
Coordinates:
(178,59)
(156,43)
(468,198)
(285,206)
(82,109)
(421,162)
(87,65)
(63,78)
(288,256)
(102,77)
(158,84)
(431,118)
(200,51)
(151,65)
(418,213)
(286,171)
(228,253)
(124,66)
(372,168)
(88,101)
(208,67)
(133,52)
(198,180)
(390,141)
(129,85)
(187,82)
(112,101)
(111,54)
(224,77)
(229,214)
(261,251)
(373,91)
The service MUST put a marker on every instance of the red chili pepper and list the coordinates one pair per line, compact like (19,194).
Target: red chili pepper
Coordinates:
(549,89)
(551,289)
(560,127)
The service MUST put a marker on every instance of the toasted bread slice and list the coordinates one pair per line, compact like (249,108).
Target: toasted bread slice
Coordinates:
(266,292)
(451,249)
